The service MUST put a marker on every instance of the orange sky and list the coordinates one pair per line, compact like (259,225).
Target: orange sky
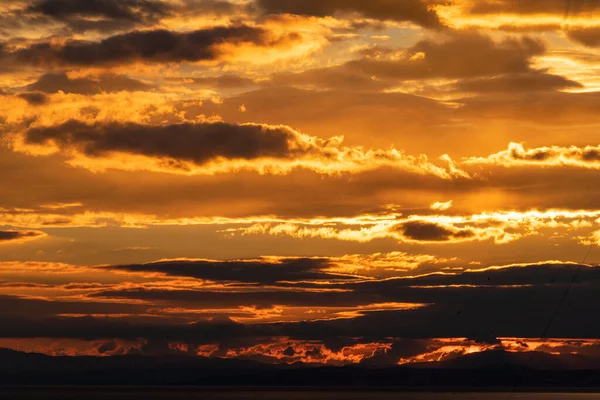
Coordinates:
(270,171)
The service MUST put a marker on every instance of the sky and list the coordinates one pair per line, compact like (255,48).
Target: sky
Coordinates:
(325,181)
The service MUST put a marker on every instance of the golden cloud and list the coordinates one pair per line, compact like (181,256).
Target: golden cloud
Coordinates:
(552,156)
(209,148)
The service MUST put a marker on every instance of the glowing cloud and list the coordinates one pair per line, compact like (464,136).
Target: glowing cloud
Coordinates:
(19,236)
(209,148)
(553,156)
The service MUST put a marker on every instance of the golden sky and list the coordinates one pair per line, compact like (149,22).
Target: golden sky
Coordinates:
(274,179)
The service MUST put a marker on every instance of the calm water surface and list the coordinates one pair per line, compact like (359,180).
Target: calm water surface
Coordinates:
(164,394)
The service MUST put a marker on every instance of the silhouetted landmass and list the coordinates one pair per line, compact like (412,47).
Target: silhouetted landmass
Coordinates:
(488,370)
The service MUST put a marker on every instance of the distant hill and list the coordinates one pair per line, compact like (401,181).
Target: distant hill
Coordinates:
(498,359)
(492,369)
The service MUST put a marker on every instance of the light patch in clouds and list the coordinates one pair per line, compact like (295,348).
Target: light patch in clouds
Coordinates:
(441,206)
(551,156)
(500,227)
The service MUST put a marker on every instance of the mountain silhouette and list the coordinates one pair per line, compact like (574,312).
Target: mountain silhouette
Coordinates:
(490,369)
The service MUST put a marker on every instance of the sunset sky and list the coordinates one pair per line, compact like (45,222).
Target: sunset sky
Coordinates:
(325,181)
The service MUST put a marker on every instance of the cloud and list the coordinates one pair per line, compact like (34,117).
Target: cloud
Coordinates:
(518,15)
(220,82)
(287,271)
(527,7)
(441,206)
(419,231)
(428,59)
(132,10)
(543,108)
(454,58)
(149,46)
(553,156)
(588,36)
(535,81)
(543,273)
(291,351)
(501,227)
(206,148)
(278,350)
(258,272)
(484,64)
(593,240)
(16,307)
(484,303)
(44,18)
(88,85)
(321,112)
(34,98)
(416,11)
(246,304)
(19,236)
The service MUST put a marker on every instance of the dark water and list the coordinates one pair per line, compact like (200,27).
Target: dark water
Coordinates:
(164,394)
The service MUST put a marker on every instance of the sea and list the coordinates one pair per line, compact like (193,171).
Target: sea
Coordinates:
(23,393)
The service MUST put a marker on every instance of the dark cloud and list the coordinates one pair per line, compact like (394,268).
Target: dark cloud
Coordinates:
(262,298)
(561,7)
(259,272)
(220,82)
(534,81)
(415,11)
(55,82)
(340,78)
(216,7)
(96,328)
(509,302)
(132,10)
(157,46)
(431,232)
(542,107)
(432,288)
(463,56)
(8,236)
(22,285)
(14,306)
(587,36)
(109,16)
(102,16)
(543,274)
(34,98)
(197,143)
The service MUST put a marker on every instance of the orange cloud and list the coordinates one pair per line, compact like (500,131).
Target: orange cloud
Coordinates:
(72,347)
(19,236)
(553,156)
(156,46)
(500,226)
(446,349)
(209,148)
(289,351)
